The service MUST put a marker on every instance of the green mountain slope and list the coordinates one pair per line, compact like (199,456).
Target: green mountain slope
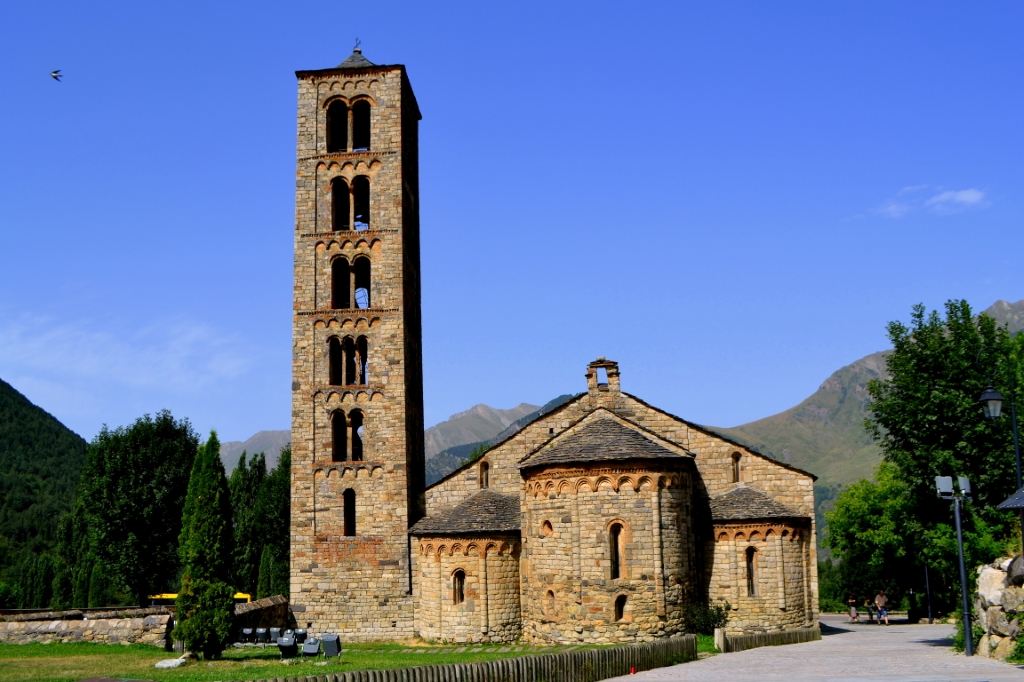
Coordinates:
(40,461)
(478,423)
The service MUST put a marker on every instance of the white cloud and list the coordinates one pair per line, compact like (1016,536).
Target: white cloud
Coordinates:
(915,198)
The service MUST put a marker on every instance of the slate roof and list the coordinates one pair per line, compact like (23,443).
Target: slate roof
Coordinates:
(356,60)
(1014,501)
(601,440)
(745,504)
(484,512)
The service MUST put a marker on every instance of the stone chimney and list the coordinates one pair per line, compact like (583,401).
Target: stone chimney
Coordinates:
(603,376)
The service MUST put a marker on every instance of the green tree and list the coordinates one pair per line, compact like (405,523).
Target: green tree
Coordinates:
(264,585)
(99,587)
(74,559)
(272,524)
(928,422)
(246,481)
(205,603)
(133,491)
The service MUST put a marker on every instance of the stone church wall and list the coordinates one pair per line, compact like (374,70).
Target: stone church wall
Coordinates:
(490,611)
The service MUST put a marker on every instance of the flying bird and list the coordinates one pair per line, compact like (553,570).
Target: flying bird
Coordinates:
(55,75)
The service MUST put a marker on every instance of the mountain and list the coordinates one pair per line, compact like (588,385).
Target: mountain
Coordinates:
(447,461)
(267,442)
(1009,314)
(40,461)
(478,423)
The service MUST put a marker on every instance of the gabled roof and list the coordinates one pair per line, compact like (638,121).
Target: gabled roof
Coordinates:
(600,438)
(356,60)
(744,503)
(484,512)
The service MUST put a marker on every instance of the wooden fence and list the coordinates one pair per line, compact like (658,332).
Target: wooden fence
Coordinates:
(744,642)
(581,665)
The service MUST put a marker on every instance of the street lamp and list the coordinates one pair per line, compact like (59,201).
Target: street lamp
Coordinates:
(944,485)
(992,404)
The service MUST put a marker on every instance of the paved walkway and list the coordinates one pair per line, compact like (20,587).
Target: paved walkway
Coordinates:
(847,653)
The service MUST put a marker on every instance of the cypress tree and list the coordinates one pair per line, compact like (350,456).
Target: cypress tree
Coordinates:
(205,601)
(245,484)
(266,577)
(99,592)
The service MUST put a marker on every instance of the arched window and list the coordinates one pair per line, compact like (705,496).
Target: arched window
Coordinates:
(362,281)
(335,361)
(620,607)
(735,467)
(356,421)
(546,529)
(751,572)
(549,603)
(349,348)
(349,503)
(485,470)
(361,202)
(458,586)
(360,126)
(615,550)
(337,126)
(340,276)
(341,212)
(363,359)
(339,436)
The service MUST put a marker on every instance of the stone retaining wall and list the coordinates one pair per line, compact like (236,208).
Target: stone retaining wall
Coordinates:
(744,642)
(585,665)
(998,608)
(154,630)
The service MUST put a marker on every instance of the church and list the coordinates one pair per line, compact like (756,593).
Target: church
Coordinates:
(598,522)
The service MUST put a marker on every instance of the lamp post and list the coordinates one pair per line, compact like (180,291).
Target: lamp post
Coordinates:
(992,404)
(944,485)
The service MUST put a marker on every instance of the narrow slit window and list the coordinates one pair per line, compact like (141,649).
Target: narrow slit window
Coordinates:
(615,550)
(549,603)
(751,572)
(363,359)
(735,467)
(339,436)
(337,126)
(340,296)
(362,277)
(356,419)
(335,362)
(349,503)
(340,205)
(620,607)
(485,474)
(361,201)
(458,586)
(361,126)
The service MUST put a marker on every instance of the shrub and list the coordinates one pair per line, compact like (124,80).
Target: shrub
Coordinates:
(702,618)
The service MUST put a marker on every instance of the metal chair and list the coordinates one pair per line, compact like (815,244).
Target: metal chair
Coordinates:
(275,633)
(300,636)
(311,647)
(246,635)
(287,647)
(262,637)
(332,645)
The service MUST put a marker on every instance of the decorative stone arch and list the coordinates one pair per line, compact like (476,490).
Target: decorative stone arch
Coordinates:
(629,481)
(604,479)
(565,486)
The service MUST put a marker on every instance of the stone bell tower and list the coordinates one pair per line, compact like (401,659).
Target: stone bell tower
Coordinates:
(357,378)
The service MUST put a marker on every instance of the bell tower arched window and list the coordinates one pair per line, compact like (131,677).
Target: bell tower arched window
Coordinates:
(361,202)
(615,552)
(363,359)
(335,361)
(341,206)
(349,511)
(339,436)
(362,281)
(356,421)
(337,126)
(360,126)
(340,280)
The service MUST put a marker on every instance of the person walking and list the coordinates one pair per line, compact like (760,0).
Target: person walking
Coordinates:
(880,602)
(869,606)
(852,602)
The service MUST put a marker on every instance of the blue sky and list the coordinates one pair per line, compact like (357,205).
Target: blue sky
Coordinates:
(730,199)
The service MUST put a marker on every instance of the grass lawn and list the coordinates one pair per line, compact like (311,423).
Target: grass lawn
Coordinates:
(69,662)
(705,645)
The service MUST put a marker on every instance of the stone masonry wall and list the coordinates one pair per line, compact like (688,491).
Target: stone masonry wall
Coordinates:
(781,598)
(154,630)
(490,612)
(358,586)
(568,592)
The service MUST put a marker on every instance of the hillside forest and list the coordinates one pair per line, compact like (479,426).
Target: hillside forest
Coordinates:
(100,524)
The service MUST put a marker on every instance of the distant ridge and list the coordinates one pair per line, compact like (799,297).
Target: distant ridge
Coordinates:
(40,462)
(478,423)
(267,442)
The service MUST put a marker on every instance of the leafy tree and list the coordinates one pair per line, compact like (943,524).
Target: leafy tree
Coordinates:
(264,587)
(133,491)
(272,524)
(205,603)
(99,586)
(245,484)
(928,422)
